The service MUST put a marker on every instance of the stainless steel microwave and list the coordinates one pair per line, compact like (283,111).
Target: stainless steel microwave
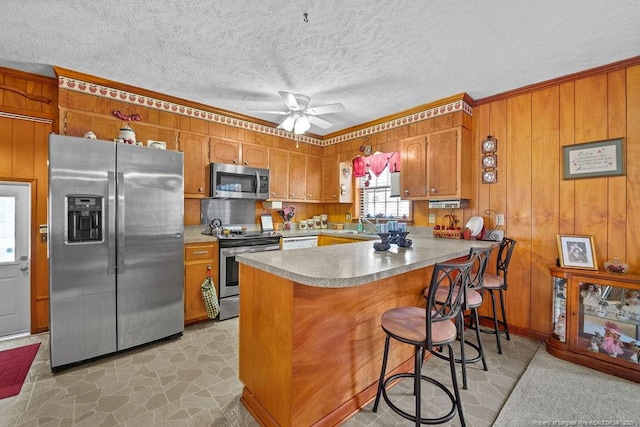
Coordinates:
(238,182)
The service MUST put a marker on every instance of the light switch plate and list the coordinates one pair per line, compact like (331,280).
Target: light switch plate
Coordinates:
(432,218)
(500,219)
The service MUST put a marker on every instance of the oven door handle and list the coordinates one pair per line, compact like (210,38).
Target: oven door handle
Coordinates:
(248,249)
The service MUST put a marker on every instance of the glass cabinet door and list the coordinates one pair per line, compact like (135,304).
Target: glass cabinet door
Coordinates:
(607,323)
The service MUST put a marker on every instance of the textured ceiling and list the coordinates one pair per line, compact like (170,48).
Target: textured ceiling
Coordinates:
(376,57)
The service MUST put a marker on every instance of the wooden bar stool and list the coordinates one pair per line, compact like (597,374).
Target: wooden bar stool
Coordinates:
(472,301)
(498,283)
(427,329)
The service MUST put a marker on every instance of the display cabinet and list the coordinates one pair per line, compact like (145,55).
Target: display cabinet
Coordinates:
(596,318)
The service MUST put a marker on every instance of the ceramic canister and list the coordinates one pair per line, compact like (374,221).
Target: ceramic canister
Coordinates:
(324,221)
(317,222)
(302,224)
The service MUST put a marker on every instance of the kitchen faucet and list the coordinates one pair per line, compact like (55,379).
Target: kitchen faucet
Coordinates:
(368,221)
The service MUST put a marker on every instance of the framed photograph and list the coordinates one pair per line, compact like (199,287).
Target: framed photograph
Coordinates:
(593,159)
(577,252)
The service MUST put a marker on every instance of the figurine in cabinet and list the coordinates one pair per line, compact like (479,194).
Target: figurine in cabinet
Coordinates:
(560,327)
(635,351)
(631,306)
(596,341)
(590,297)
(611,343)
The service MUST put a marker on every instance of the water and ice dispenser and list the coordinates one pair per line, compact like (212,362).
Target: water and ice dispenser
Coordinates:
(84,218)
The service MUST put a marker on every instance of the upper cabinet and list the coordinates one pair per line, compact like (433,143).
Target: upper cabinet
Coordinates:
(414,162)
(224,151)
(314,178)
(278,174)
(297,176)
(256,156)
(195,148)
(435,166)
(337,180)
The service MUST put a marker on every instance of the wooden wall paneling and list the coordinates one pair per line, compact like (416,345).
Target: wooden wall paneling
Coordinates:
(192,211)
(592,193)
(567,137)
(617,192)
(82,101)
(40,265)
(14,99)
(633,167)
(481,200)
(519,196)
(217,129)
(6,146)
(23,149)
(545,166)
(498,192)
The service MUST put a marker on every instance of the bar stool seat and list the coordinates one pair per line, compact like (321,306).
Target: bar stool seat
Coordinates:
(427,328)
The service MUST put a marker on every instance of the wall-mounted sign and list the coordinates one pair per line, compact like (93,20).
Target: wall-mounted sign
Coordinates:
(593,159)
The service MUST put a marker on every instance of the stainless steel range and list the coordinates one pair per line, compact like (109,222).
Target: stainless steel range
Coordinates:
(231,245)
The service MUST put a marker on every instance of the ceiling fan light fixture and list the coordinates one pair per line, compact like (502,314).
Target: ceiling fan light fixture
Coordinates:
(288,123)
(302,124)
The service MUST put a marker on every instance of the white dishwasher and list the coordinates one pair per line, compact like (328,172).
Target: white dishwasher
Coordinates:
(299,242)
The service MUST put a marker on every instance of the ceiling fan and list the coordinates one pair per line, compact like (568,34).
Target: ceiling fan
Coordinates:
(300,117)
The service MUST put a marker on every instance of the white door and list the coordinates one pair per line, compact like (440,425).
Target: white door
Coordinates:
(15,277)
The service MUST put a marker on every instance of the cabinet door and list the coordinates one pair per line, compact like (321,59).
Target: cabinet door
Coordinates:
(200,260)
(413,177)
(314,178)
(346,182)
(278,174)
(330,179)
(442,164)
(255,156)
(324,240)
(224,151)
(196,157)
(297,176)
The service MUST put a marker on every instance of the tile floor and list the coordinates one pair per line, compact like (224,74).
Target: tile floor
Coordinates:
(193,381)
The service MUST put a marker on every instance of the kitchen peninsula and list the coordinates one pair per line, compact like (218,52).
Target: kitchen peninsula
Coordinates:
(310,339)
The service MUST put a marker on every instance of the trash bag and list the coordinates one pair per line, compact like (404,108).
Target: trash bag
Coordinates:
(210,298)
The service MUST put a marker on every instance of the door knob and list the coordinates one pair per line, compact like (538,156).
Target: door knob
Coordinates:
(24,268)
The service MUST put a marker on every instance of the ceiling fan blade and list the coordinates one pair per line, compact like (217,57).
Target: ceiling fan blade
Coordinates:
(319,122)
(326,109)
(280,113)
(289,99)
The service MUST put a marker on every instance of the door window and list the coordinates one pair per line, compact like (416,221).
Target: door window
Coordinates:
(7,229)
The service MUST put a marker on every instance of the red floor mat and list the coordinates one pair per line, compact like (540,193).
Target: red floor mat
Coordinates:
(14,366)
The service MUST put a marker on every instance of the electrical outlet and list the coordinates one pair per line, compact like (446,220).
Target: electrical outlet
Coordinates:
(432,218)
(500,219)
(348,216)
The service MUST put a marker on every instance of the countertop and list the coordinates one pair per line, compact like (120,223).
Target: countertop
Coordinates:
(339,266)
(193,234)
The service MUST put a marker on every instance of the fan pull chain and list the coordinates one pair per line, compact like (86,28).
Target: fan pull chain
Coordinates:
(306,17)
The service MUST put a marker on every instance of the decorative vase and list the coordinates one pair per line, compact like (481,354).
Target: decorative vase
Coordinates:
(616,266)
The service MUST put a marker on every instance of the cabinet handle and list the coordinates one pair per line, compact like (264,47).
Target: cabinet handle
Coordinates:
(200,189)
(292,195)
(273,193)
(434,190)
(309,196)
(200,252)
(246,163)
(406,192)
(235,161)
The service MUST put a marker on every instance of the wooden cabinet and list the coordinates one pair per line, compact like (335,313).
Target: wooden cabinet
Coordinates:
(255,156)
(448,174)
(434,165)
(200,259)
(414,163)
(313,178)
(195,148)
(337,180)
(278,174)
(326,240)
(596,317)
(224,151)
(297,177)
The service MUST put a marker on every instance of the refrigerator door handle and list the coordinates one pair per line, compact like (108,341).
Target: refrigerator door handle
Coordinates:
(111,224)
(120,223)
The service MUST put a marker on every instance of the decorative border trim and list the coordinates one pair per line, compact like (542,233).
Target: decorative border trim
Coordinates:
(158,104)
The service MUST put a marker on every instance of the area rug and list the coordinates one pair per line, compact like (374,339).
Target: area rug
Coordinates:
(14,366)
(552,391)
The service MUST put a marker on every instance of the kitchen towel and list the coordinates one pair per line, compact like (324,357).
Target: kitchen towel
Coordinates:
(14,366)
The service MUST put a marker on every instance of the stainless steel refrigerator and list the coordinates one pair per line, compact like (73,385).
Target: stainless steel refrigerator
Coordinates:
(115,247)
